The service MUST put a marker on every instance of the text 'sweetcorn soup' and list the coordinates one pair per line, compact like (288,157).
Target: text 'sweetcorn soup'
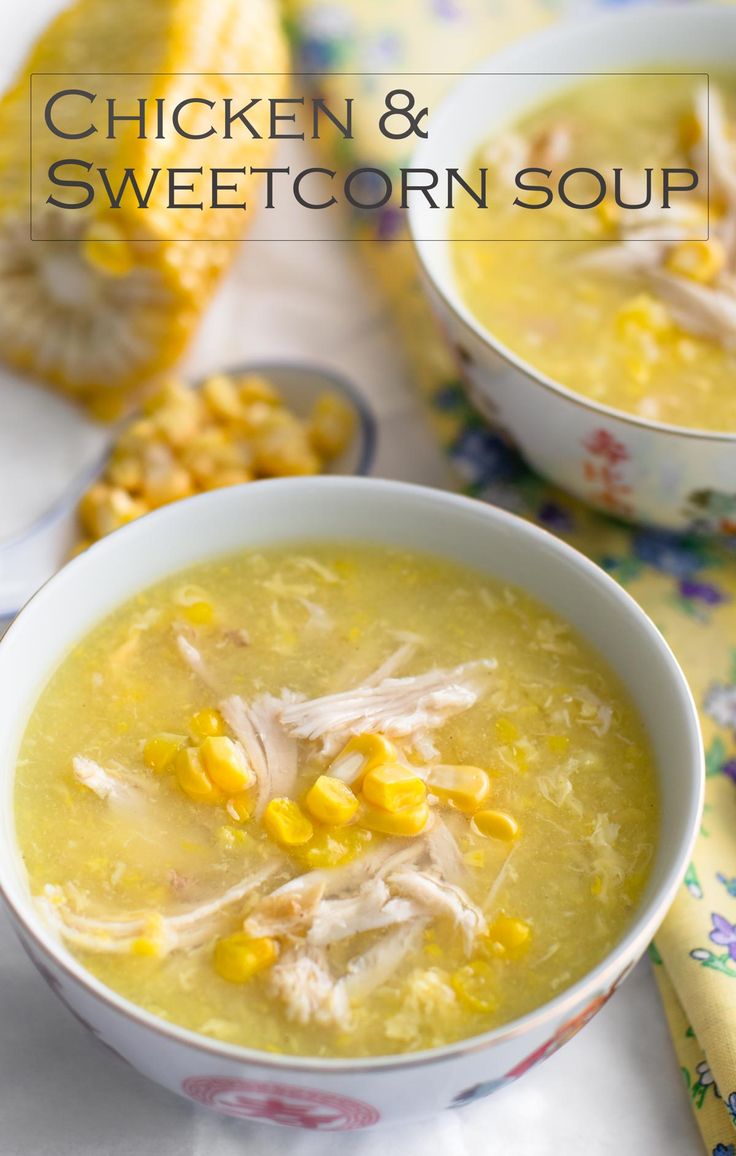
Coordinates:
(336,800)
(633,308)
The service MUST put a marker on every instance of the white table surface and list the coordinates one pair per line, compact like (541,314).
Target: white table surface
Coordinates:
(614,1090)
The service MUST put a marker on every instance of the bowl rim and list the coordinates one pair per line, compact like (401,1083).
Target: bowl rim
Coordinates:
(500,62)
(594,982)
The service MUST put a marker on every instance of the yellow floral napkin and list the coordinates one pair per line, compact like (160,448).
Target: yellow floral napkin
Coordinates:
(687,585)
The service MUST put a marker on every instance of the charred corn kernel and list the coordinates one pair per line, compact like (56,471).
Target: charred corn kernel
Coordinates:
(239,957)
(512,934)
(193,779)
(253,387)
(475,985)
(506,730)
(558,744)
(222,396)
(239,808)
(495,825)
(331,801)
(410,821)
(161,750)
(225,764)
(200,613)
(393,787)
(286,823)
(465,787)
(206,722)
(361,754)
(331,425)
(335,847)
(700,261)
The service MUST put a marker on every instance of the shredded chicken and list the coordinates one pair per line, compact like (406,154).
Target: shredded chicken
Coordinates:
(393,663)
(444,853)
(303,981)
(288,910)
(403,708)
(194,661)
(704,310)
(372,907)
(271,752)
(106,784)
(375,966)
(184,931)
(436,897)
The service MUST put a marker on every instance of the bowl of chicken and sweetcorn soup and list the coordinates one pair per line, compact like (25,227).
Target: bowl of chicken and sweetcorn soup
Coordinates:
(595,319)
(334,802)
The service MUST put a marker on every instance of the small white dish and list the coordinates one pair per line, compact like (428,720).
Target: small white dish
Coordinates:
(28,558)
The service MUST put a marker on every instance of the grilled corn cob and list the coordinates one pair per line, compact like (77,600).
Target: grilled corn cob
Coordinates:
(97,313)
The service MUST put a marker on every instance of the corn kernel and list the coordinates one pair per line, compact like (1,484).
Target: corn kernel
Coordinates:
(159,752)
(393,787)
(701,261)
(465,787)
(361,754)
(105,248)
(475,985)
(239,957)
(283,450)
(253,387)
(222,396)
(145,947)
(558,744)
(512,934)
(410,821)
(230,837)
(286,823)
(225,764)
(206,722)
(331,425)
(239,808)
(331,801)
(105,508)
(333,848)
(506,730)
(495,825)
(690,131)
(219,479)
(642,312)
(160,487)
(193,778)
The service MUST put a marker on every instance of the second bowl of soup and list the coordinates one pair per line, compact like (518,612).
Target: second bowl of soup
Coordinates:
(602,340)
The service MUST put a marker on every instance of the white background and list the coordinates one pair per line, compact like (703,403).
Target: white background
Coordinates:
(615,1089)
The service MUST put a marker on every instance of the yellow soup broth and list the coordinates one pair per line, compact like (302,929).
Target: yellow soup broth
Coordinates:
(643,326)
(489,836)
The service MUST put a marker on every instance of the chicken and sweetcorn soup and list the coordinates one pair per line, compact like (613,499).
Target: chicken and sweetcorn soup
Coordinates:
(642,315)
(336,800)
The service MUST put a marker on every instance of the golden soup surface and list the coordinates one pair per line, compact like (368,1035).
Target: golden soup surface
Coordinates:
(519,801)
(643,326)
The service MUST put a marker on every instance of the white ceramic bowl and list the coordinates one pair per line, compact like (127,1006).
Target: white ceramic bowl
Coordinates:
(638,469)
(345,1094)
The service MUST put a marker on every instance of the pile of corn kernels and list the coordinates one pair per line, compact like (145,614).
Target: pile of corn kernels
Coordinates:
(234,429)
